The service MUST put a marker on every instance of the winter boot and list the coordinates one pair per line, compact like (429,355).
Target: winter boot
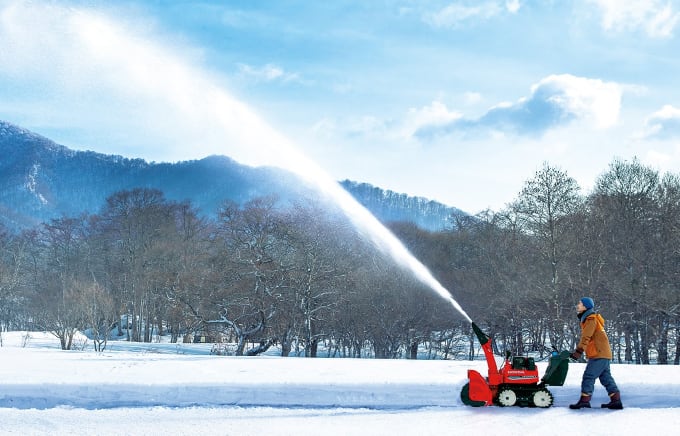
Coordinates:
(614,402)
(583,402)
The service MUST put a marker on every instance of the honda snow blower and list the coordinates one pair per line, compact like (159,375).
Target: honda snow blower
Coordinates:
(516,382)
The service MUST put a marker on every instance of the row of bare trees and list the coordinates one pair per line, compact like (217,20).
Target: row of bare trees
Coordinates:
(257,274)
(521,270)
(300,276)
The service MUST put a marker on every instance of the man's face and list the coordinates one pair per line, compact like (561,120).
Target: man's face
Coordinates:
(580,307)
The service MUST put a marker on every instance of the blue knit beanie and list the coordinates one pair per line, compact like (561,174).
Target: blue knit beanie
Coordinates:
(588,302)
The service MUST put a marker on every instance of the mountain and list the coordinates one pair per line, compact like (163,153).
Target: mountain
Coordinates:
(390,206)
(41,180)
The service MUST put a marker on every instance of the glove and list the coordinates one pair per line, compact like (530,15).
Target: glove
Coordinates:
(576,355)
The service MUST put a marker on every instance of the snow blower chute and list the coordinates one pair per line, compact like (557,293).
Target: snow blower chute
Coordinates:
(516,383)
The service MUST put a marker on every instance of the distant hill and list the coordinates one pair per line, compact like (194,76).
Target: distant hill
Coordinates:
(391,206)
(41,180)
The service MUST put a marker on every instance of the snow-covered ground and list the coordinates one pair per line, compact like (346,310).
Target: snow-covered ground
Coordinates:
(168,389)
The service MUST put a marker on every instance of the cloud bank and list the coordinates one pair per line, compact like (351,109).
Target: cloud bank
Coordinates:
(555,101)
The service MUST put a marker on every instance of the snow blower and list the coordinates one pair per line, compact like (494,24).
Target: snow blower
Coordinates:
(516,383)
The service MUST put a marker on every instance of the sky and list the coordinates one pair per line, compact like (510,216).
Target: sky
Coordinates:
(456,101)
(177,389)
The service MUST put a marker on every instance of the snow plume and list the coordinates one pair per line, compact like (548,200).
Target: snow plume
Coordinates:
(83,64)
(103,65)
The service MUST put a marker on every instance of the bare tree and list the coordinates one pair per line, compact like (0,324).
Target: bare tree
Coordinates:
(98,312)
(186,272)
(624,204)
(62,263)
(137,226)
(319,242)
(545,205)
(12,259)
(667,266)
(252,258)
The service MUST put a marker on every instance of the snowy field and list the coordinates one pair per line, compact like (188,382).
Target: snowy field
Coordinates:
(170,389)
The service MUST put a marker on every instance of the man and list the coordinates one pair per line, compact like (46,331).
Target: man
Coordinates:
(595,342)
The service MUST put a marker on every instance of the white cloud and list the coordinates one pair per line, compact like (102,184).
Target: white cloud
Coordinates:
(325,128)
(369,126)
(656,18)
(554,101)
(432,116)
(663,124)
(435,114)
(590,99)
(513,6)
(472,98)
(458,13)
(267,73)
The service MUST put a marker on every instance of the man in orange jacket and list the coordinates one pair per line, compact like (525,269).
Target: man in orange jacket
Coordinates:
(595,342)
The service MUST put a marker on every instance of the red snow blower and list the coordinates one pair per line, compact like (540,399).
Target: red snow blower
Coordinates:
(516,382)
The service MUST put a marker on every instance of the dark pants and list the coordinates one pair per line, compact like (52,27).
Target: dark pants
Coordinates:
(598,368)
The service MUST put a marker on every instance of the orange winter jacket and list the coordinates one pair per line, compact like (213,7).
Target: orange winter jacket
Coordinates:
(594,339)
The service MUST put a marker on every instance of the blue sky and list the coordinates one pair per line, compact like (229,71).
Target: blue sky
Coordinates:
(457,101)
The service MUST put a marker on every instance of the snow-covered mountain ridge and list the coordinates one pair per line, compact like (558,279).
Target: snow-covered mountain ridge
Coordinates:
(41,180)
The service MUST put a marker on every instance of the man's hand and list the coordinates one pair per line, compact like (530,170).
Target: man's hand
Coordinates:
(576,355)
